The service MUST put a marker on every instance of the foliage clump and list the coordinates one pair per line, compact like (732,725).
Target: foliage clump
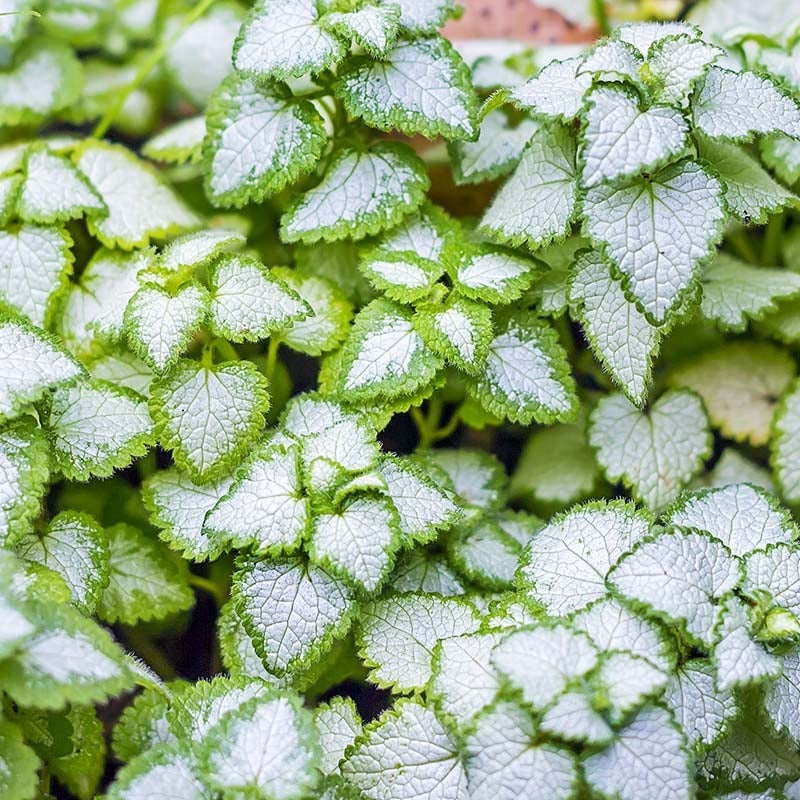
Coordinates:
(338,464)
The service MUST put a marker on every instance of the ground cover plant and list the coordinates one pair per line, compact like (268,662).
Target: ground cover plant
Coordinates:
(381,423)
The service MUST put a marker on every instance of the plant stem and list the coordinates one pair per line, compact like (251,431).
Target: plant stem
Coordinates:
(771,245)
(225,349)
(144,647)
(599,12)
(449,428)
(209,587)
(272,357)
(107,120)
(742,245)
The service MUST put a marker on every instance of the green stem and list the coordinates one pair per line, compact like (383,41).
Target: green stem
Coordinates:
(209,587)
(146,649)
(107,120)
(740,242)
(44,781)
(599,12)
(272,357)
(427,425)
(450,427)
(225,349)
(773,237)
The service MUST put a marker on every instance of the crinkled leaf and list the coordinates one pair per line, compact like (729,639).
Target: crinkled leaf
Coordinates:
(281,40)
(160,325)
(19,764)
(248,302)
(177,143)
(681,576)
(419,87)
(339,725)
(785,444)
(260,139)
(374,27)
(209,415)
(407,754)
(477,477)
(361,193)
(656,230)
(292,611)
(556,91)
(537,203)
(622,140)
(566,563)
(655,453)
(95,427)
(397,636)
(490,274)
(736,105)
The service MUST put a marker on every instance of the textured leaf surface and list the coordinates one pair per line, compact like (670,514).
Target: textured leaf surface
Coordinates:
(557,91)
(36,262)
(566,562)
(682,575)
(398,634)
(646,760)
(786,444)
(145,582)
(504,762)
(259,140)
(421,86)
(407,753)
(654,453)
(140,206)
(95,427)
(526,375)
(280,41)
(619,333)
(735,105)
(537,203)
(621,140)
(339,725)
(360,194)
(30,364)
(292,611)
(208,415)
(734,291)
(541,662)
(160,325)
(656,230)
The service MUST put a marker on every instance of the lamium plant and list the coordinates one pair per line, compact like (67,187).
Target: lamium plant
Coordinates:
(387,418)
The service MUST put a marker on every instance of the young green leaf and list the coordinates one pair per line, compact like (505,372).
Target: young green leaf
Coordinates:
(374,27)
(209,415)
(419,87)
(675,64)
(259,140)
(656,230)
(197,249)
(145,582)
(654,453)
(360,194)
(490,274)
(19,764)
